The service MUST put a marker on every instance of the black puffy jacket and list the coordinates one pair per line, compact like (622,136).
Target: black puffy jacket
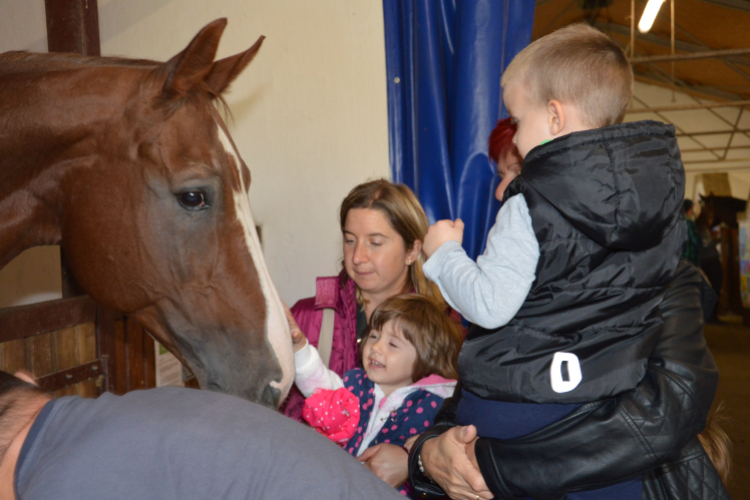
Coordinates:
(649,431)
(606,209)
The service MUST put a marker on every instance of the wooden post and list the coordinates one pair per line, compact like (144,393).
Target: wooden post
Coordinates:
(73,26)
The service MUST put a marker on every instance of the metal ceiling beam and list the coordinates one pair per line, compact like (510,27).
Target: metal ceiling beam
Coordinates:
(728,63)
(720,148)
(677,128)
(713,132)
(622,30)
(715,169)
(741,5)
(684,87)
(691,106)
(709,54)
(718,160)
(665,79)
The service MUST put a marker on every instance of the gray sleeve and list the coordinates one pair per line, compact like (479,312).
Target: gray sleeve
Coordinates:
(490,291)
(146,444)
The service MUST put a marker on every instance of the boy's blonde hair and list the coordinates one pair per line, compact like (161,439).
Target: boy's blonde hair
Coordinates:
(424,323)
(577,65)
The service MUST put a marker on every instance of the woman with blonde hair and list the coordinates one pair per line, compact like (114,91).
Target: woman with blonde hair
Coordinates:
(383,226)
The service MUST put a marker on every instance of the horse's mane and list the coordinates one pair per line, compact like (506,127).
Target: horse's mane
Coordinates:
(54,60)
(34,61)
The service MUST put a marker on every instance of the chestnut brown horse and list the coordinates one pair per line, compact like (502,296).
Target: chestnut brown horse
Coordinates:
(128,165)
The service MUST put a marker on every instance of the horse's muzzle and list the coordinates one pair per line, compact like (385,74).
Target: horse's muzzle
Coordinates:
(270,397)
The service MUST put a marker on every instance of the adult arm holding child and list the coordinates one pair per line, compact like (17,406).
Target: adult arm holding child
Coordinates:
(650,431)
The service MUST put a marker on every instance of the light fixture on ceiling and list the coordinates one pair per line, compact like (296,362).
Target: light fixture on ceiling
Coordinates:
(649,15)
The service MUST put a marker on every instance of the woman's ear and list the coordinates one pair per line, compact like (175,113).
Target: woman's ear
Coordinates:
(556,117)
(413,253)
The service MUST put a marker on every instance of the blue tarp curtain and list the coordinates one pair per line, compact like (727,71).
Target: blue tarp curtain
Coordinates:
(444,59)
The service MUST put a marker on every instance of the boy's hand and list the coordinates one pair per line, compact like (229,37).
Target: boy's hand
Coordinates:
(440,232)
(298,338)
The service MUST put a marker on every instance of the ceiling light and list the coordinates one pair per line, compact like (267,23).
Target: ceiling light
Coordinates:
(649,14)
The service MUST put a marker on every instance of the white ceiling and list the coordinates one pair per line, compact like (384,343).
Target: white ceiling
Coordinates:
(715,131)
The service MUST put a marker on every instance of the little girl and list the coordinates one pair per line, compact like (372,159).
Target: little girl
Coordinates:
(409,355)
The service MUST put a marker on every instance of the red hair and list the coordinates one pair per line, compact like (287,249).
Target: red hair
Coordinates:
(500,144)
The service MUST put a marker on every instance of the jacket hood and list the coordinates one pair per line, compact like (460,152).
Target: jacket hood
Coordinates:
(622,186)
(437,385)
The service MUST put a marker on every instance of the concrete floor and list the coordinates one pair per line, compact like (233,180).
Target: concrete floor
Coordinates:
(730,346)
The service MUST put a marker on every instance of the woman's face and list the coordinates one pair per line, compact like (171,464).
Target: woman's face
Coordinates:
(508,169)
(375,255)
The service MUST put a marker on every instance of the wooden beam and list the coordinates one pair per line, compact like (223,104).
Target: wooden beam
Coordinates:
(71,376)
(73,26)
(106,343)
(34,319)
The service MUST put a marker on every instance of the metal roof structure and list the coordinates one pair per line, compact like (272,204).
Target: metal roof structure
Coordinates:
(702,86)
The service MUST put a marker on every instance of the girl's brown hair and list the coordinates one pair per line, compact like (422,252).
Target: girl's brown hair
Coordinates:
(425,324)
(406,216)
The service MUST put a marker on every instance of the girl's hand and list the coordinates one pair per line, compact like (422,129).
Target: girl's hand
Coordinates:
(298,338)
(387,461)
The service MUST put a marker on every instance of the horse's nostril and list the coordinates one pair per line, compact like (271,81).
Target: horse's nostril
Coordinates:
(270,397)
(213,386)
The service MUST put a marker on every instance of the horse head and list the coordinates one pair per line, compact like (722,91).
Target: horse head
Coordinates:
(151,199)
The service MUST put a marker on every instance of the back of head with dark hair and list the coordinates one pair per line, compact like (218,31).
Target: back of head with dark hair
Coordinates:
(9,382)
(16,407)
(687,205)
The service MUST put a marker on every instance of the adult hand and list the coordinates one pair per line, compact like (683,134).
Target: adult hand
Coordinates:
(446,461)
(440,232)
(298,338)
(387,461)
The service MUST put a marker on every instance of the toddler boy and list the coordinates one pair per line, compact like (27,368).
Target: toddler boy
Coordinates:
(566,295)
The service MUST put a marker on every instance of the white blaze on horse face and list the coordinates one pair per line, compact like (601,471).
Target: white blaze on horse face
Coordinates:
(277,326)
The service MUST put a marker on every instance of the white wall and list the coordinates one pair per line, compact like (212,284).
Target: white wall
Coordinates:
(718,120)
(310,112)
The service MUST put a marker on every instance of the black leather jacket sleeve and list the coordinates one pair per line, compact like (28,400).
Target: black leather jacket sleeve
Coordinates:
(607,441)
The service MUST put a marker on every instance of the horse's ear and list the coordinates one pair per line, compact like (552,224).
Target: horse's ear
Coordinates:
(191,66)
(224,72)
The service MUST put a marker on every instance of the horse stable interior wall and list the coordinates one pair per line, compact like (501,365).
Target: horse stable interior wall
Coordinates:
(309,114)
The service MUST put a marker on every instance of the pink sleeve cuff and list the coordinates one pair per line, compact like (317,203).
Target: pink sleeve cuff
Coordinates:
(333,413)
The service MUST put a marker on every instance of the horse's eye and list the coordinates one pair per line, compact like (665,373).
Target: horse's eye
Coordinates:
(193,200)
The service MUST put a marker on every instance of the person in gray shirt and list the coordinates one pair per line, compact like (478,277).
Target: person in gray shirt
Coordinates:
(166,443)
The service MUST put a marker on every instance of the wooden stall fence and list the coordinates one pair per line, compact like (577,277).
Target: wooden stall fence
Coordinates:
(73,346)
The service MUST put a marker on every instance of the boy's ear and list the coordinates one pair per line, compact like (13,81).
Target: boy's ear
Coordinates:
(556,117)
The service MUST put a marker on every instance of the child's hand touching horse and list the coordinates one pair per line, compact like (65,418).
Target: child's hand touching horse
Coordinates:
(298,338)
(440,232)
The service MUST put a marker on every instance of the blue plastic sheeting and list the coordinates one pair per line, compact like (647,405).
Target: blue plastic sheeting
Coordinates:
(444,59)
